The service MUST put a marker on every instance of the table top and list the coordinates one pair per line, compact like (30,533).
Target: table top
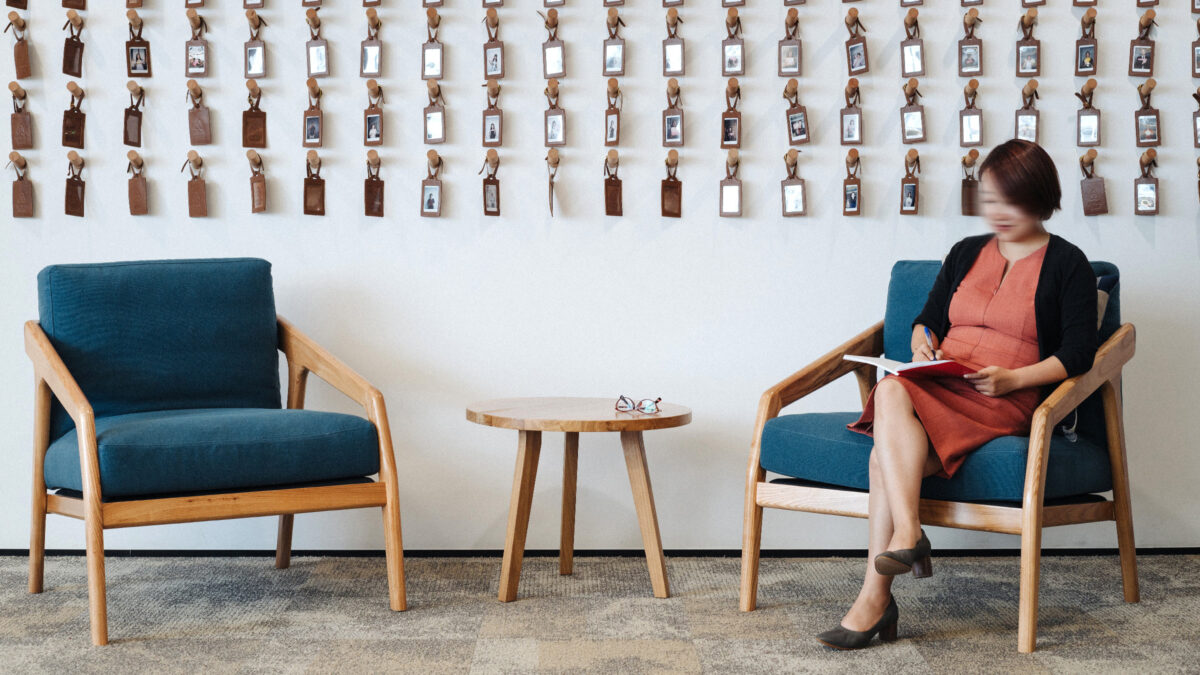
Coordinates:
(559,413)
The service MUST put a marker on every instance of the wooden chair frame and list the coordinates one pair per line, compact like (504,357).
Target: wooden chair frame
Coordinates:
(1026,520)
(304,356)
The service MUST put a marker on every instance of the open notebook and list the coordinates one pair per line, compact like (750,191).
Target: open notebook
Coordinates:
(942,368)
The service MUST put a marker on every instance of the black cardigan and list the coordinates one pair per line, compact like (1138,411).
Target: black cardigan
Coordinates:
(1064,303)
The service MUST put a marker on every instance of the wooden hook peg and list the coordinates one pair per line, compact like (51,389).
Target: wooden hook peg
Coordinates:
(851,86)
(970,158)
(910,17)
(373,21)
(254,159)
(910,86)
(673,158)
(732,159)
(134,19)
(493,158)
(75,160)
(552,158)
(373,87)
(74,19)
(493,87)
(432,17)
(1146,87)
(16,20)
(1029,88)
(252,19)
(1029,17)
(434,88)
(672,87)
(790,89)
(193,18)
(672,17)
(17,160)
(732,88)
(793,18)
(612,159)
(492,18)
(75,89)
(194,89)
(1088,87)
(1147,158)
(1088,18)
(971,18)
(134,158)
(551,18)
(852,157)
(552,87)
(1146,19)
(195,159)
(613,89)
(134,88)
(972,87)
(731,17)
(252,87)
(791,157)
(313,160)
(314,89)
(17,92)
(433,158)
(373,159)
(851,17)
(311,18)
(612,17)
(911,157)
(1088,158)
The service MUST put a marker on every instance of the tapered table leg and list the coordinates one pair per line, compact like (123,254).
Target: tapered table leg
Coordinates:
(566,546)
(643,500)
(528,449)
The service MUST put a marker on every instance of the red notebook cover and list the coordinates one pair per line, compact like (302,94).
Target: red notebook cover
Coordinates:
(947,369)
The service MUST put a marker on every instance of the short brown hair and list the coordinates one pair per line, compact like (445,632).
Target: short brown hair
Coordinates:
(1026,177)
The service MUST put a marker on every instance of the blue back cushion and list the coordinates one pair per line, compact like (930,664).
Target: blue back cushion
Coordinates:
(163,335)
(909,288)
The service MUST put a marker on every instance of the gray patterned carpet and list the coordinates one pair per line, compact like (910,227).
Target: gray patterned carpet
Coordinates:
(330,615)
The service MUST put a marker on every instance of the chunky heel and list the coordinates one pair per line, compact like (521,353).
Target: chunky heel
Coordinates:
(888,632)
(922,567)
(844,638)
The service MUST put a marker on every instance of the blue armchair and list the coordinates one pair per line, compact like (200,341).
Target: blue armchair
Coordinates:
(1015,485)
(158,401)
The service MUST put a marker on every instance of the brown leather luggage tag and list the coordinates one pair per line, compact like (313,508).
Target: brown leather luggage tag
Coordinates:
(22,194)
(970,196)
(72,62)
(373,191)
(74,121)
(1095,198)
(431,189)
(729,198)
(612,115)
(612,186)
(197,191)
(74,4)
(138,205)
(21,124)
(793,193)
(733,47)
(435,115)
(258,183)
(910,185)
(19,4)
(314,191)
(254,50)
(199,123)
(672,196)
(132,129)
(20,48)
(254,122)
(493,49)
(74,190)
(137,54)
(195,50)
(731,119)
(373,116)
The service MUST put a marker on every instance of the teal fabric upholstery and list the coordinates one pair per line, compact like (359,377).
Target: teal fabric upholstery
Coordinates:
(819,447)
(163,335)
(182,451)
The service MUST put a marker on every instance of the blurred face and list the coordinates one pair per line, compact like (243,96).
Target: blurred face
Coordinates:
(1007,220)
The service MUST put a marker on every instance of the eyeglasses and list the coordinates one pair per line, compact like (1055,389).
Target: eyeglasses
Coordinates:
(647,405)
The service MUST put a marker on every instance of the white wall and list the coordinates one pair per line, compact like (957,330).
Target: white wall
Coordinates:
(703,311)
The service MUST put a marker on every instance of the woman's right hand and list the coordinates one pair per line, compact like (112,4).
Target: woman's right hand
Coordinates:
(920,346)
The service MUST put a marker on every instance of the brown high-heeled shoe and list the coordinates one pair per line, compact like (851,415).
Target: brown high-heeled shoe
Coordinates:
(844,638)
(905,560)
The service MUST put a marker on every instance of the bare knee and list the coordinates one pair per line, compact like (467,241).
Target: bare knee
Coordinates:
(891,398)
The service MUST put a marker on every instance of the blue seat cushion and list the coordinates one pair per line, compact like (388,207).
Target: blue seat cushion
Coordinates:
(184,451)
(163,335)
(818,447)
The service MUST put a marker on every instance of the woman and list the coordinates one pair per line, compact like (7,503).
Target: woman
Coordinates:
(1019,307)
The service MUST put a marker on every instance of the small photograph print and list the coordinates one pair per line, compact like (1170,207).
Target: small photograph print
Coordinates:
(729,130)
(732,59)
(256,61)
(1147,197)
(318,63)
(908,197)
(850,204)
(139,60)
(614,59)
(554,61)
(197,59)
(1086,58)
(1196,130)
(491,199)
(1027,59)
(1147,129)
(797,126)
(968,59)
(1143,58)
(1027,128)
(435,126)
(852,128)
(431,199)
(673,58)
(1196,59)
(491,128)
(914,126)
(789,59)
(673,129)
(912,61)
(793,199)
(970,130)
(312,130)
(858,57)
(432,68)
(555,133)
(611,128)
(731,199)
(1089,129)
(374,127)
(493,60)
(371,59)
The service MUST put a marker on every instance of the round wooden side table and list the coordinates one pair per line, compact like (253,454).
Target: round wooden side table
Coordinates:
(530,417)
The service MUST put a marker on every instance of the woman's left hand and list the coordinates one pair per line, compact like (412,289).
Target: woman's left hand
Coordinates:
(993,380)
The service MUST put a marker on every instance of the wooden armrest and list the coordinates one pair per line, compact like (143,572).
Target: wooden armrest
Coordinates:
(828,368)
(304,353)
(49,367)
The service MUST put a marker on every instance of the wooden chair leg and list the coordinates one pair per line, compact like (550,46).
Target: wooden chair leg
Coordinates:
(394,544)
(529,448)
(566,546)
(643,500)
(97,599)
(283,542)
(1031,559)
(37,528)
(37,540)
(1122,507)
(751,543)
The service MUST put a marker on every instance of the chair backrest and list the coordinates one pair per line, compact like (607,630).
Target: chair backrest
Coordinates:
(163,335)
(909,287)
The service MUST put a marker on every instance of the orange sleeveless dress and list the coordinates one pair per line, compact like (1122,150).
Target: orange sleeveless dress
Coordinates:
(991,324)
